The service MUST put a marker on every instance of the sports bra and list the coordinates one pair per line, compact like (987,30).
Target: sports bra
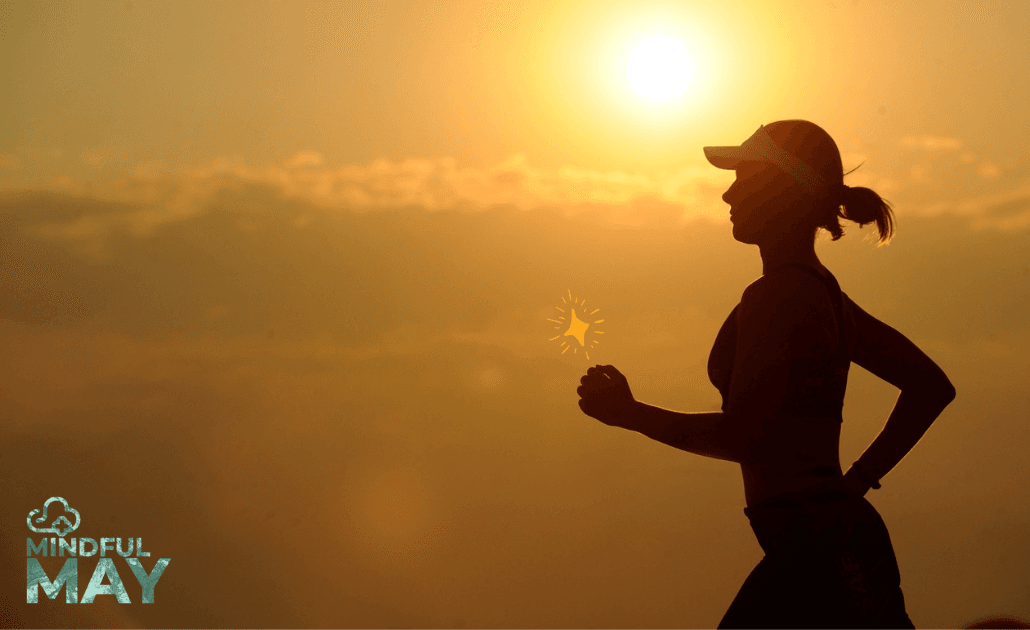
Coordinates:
(816,386)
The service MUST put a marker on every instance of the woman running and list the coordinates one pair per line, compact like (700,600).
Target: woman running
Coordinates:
(780,362)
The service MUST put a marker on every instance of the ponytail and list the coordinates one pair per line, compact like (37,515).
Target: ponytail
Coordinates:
(863,206)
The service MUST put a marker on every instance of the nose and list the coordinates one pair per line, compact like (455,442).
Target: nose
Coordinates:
(726,195)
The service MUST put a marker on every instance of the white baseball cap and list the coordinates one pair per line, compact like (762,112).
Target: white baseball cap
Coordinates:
(760,147)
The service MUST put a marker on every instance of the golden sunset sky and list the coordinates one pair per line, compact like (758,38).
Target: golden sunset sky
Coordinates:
(276,279)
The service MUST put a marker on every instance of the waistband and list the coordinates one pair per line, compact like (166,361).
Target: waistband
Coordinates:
(831,496)
(785,524)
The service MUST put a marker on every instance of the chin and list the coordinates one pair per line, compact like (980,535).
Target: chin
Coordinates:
(742,235)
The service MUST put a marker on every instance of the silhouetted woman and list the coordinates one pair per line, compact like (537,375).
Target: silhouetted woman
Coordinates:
(781,363)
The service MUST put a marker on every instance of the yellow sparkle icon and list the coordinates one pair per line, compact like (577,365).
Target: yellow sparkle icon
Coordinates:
(575,327)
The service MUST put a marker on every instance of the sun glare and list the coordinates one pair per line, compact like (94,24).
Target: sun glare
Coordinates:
(660,68)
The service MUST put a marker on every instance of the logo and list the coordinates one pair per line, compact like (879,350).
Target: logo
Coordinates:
(61,522)
(855,582)
(575,327)
(68,576)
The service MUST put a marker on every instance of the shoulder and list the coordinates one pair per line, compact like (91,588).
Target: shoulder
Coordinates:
(786,290)
(789,307)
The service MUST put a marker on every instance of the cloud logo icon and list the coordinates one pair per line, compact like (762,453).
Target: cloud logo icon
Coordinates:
(61,524)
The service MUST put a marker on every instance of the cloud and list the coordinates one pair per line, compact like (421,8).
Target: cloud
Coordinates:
(96,159)
(304,158)
(988,169)
(942,173)
(931,143)
(148,195)
(151,194)
(1008,210)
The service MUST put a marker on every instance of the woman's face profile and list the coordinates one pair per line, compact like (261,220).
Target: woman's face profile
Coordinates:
(757,200)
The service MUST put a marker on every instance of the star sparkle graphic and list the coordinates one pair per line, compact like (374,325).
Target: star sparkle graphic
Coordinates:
(575,322)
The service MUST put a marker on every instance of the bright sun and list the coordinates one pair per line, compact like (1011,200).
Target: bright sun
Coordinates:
(660,68)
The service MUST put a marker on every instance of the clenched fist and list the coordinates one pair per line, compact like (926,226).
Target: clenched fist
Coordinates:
(604,395)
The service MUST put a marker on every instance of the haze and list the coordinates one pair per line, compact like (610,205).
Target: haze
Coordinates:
(276,279)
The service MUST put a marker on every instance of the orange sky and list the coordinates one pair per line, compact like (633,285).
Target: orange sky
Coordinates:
(277,278)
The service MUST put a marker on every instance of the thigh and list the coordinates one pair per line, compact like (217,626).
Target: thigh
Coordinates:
(760,602)
(819,588)
(794,589)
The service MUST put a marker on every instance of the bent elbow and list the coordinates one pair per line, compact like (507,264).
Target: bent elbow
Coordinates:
(941,393)
(936,386)
(945,391)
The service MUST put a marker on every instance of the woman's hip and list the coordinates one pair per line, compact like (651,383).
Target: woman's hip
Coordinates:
(840,548)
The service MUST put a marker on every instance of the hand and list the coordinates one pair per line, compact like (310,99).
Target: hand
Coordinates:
(604,395)
(855,484)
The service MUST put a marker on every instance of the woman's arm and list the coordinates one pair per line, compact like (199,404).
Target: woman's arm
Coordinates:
(701,433)
(925,390)
(913,414)
(605,394)
(777,321)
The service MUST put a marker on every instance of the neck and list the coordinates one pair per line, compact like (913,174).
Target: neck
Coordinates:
(787,251)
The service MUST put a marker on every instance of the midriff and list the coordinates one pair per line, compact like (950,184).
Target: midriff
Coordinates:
(787,459)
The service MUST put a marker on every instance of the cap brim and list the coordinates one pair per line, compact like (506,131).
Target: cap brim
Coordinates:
(725,157)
